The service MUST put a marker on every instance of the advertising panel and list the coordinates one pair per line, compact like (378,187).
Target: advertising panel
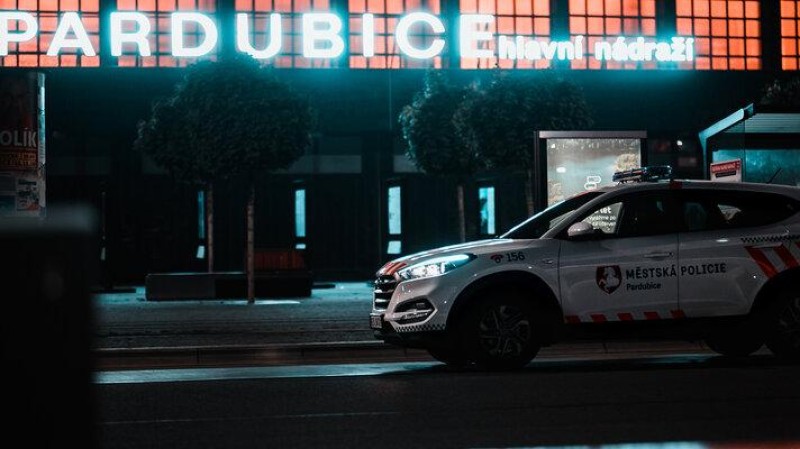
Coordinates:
(22,148)
(576,165)
(727,171)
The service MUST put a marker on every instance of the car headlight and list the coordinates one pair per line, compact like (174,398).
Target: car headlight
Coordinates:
(435,267)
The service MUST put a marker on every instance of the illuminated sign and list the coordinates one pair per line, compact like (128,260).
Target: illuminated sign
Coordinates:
(322,38)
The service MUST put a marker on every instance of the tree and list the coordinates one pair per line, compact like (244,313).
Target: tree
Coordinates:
(500,120)
(226,119)
(432,141)
(782,93)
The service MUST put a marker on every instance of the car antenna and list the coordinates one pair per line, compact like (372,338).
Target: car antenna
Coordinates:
(773,176)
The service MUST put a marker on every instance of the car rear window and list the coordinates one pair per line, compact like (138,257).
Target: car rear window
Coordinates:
(723,209)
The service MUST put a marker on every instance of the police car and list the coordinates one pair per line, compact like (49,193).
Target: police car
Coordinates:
(649,259)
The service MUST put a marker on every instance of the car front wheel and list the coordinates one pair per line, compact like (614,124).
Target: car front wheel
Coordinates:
(498,333)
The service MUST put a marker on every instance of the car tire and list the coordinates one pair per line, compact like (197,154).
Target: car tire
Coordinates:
(498,333)
(449,356)
(784,336)
(736,341)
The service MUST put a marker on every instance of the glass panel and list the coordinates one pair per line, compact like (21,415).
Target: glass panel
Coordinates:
(578,165)
(486,204)
(201,214)
(765,165)
(394,211)
(300,213)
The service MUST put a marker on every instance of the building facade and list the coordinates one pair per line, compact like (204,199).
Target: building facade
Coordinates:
(667,68)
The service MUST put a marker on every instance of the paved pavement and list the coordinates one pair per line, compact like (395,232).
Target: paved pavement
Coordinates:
(332,324)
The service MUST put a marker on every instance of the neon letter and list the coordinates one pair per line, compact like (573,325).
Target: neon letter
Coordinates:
(138,37)
(204,22)
(470,36)
(312,35)
(6,37)
(368,34)
(71,21)
(401,34)
(243,37)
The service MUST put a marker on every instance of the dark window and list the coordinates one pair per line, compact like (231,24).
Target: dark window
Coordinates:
(713,210)
(634,215)
(537,225)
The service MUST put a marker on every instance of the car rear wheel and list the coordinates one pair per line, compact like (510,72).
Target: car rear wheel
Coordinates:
(498,333)
(734,342)
(784,338)
(740,339)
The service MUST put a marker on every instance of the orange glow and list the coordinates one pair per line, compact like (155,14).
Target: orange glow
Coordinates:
(734,43)
(608,18)
(33,53)
(512,17)
(683,8)
(790,21)
(751,9)
(719,8)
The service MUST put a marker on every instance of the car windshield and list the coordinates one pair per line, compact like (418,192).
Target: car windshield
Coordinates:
(535,226)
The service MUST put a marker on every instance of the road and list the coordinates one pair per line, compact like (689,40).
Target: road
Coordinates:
(422,404)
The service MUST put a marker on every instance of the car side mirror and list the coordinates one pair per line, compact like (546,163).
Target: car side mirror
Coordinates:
(580,230)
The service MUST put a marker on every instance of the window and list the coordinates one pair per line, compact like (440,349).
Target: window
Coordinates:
(201,224)
(394,214)
(715,210)
(527,18)
(300,218)
(47,13)
(386,15)
(160,36)
(605,20)
(291,52)
(576,165)
(639,214)
(727,33)
(605,219)
(537,225)
(487,210)
(790,38)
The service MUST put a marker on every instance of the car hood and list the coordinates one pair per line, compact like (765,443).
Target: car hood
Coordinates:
(479,247)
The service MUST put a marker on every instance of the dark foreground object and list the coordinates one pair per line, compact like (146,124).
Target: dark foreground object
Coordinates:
(46,268)
(191,286)
(427,405)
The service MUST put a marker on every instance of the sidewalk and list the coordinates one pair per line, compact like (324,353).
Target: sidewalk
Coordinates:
(332,323)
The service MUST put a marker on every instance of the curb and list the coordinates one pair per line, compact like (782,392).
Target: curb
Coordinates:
(349,352)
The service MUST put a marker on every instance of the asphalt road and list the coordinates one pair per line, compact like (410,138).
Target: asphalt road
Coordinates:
(693,398)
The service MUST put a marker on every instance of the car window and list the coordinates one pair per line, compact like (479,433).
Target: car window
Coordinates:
(606,218)
(637,214)
(714,209)
(535,226)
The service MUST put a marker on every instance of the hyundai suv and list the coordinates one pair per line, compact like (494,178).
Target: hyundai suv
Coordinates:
(649,259)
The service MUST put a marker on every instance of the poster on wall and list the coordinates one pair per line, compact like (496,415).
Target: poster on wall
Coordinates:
(22,147)
(576,165)
(727,171)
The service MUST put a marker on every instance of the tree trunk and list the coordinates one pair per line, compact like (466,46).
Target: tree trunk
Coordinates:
(210,226)
(462,224)
(251,285)
(529,190)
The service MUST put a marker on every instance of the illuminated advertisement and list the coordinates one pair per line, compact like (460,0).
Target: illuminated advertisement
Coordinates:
(22,146)
(322,36)
(579,165)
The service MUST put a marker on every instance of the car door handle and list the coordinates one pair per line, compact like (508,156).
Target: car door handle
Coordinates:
(658,255)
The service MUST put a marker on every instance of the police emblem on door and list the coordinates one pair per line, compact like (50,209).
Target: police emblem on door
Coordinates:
(609,278)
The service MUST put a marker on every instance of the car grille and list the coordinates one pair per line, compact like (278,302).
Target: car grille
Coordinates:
(384,288)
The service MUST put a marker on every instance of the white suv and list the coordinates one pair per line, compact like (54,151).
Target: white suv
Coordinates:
(677,259)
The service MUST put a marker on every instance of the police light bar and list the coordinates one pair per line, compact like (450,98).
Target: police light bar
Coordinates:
(644,174)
